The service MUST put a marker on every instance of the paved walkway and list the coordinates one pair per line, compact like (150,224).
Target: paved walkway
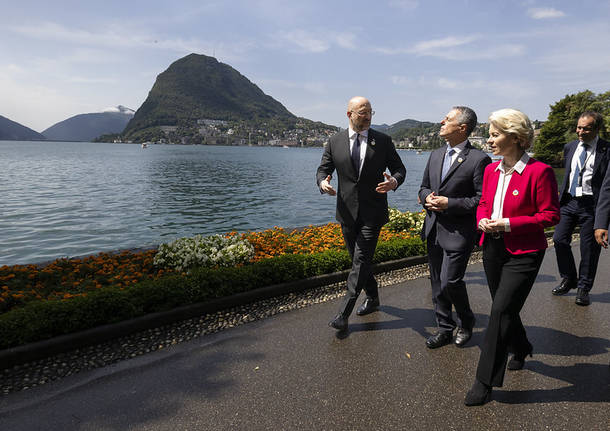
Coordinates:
(291,372)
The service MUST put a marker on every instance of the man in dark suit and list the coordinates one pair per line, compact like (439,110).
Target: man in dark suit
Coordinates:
(586,163)
(360,156)
(602,214)
(450,192)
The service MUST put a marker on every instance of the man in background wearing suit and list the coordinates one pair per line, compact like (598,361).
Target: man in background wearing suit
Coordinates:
(450,192)
(586,163)
(602,214)
(360,156)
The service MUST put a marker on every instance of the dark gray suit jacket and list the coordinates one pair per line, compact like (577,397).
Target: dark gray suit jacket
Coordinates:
(356,195)
(602,213)
(456,226)
(600,166)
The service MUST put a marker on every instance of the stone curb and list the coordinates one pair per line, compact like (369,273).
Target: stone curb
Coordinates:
(63,343)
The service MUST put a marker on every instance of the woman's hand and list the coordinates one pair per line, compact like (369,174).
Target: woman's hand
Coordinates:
(490,226)
(496,225)
(484,225)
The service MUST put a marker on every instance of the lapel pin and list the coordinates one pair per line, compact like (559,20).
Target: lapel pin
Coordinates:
(515,192)
(372,142)
(460,160)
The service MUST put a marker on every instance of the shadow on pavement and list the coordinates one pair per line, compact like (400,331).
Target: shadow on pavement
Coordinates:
(588,383)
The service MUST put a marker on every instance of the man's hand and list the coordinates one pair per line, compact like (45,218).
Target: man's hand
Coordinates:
(436,203)
(326,187)
(390,183)
(601,236)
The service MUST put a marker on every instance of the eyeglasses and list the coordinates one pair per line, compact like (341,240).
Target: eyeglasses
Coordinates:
(363,113)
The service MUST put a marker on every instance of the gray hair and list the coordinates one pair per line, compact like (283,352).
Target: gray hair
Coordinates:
(467,116)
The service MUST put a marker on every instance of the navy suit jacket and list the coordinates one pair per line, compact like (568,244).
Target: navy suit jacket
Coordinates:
(600,166)
(456,226)
(356,195)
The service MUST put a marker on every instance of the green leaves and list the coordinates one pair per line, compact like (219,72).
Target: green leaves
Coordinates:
(561,125)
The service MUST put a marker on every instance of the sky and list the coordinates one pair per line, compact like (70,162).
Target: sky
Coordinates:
(411,58)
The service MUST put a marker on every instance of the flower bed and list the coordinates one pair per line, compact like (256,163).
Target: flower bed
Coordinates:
(39,302)
(64,279)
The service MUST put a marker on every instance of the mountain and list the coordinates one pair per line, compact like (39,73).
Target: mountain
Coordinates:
(199,87)
(86,127)
(400,128)
(12,131)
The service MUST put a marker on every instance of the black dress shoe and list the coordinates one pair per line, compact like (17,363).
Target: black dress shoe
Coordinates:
(462,336)
(439,339)
(518,361)
(582,297)
(564,287)
(368,306)
(478,395)
(339,323)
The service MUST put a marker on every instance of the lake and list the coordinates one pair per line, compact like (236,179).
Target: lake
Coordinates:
(60,199)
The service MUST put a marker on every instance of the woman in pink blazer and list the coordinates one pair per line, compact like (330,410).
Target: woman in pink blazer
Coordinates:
(519,200)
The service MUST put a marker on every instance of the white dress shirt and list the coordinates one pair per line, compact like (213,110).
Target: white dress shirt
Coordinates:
(502,188)
(587,176)
(363,138)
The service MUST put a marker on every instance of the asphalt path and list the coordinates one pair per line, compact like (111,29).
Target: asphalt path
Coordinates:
(290,372)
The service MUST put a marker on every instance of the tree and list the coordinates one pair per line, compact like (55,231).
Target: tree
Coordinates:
(561,125)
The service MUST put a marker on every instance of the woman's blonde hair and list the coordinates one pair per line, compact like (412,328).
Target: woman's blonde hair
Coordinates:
(514,122)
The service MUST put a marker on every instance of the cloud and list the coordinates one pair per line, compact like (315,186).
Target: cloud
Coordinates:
(34,105)
(404,4)
(309,41)
(305,40)
(401,80)
(430,47)
(311,87)
(457,49)
(545,13)
(116,37)
(448,83)
(91,80)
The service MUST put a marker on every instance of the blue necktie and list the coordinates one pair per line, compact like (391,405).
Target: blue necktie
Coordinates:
(577,177)
(356,154)
(447,163)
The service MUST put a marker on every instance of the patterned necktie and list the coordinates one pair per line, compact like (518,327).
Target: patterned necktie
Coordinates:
(447,163)
(577,177)
(356,153)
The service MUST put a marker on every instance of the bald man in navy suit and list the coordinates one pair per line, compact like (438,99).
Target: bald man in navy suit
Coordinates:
(360,155)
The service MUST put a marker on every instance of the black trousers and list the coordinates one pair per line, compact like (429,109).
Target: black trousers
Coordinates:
(360,241)
(577,212)
(510,279)
(447,269)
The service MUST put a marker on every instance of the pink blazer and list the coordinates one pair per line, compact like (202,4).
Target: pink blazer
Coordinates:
(531,204)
